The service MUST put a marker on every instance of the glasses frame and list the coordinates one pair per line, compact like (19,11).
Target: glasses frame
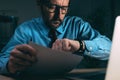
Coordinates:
(52,8)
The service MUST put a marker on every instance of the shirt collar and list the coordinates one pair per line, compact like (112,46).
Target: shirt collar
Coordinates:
(60,29)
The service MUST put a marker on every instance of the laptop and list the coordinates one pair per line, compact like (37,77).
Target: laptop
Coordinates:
(113,70)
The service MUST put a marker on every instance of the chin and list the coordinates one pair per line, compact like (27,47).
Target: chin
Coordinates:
(55,25)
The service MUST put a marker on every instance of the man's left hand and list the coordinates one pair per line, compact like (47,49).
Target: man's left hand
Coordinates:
(66,45)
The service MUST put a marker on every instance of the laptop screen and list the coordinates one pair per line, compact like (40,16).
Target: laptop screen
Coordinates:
(113,70)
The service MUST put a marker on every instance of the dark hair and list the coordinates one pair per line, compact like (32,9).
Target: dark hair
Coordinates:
(42,1)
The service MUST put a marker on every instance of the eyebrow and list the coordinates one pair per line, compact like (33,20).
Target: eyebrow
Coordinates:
(58,5)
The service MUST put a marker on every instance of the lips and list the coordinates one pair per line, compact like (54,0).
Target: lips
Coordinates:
(56,22)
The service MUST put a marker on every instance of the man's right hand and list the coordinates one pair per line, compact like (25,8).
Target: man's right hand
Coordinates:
(21,57)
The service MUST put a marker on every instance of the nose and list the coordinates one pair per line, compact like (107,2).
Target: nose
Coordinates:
(58,13)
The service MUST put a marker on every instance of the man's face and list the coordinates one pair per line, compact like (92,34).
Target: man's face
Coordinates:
(54,12)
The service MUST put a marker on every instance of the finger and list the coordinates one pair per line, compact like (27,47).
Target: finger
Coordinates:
(20,62)
(27,49)
(13,68)
(57,45)
(18,54)
(66,45)
(75,45)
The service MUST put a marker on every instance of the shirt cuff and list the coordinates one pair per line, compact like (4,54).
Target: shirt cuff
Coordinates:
(90,46)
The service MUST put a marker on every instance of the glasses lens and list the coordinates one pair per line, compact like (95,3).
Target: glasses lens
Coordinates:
(64,9)
(52,8)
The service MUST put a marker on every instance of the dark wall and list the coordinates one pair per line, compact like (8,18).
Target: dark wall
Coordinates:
(99,13)
(116,7)
(24,9)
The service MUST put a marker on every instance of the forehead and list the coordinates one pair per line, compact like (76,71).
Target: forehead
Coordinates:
(60,2)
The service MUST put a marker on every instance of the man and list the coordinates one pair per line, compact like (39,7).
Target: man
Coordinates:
(72,35)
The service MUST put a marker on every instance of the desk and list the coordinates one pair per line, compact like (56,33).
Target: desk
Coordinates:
(76,74)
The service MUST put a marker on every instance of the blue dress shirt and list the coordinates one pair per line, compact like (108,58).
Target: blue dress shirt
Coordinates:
(74,28)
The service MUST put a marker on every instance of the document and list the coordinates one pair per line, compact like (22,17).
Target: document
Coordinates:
(52,62)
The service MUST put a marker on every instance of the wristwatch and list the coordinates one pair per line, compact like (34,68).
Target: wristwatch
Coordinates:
(82,46)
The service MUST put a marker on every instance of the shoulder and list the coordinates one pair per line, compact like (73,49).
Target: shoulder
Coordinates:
(30,24)
(76,21)
(73,18)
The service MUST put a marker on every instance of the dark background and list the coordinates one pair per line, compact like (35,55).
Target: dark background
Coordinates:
(99,13)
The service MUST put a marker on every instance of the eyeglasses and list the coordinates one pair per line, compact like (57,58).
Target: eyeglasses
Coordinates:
(52,8)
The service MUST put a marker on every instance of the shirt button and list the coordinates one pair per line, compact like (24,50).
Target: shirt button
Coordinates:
(88,53)
(90,48)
